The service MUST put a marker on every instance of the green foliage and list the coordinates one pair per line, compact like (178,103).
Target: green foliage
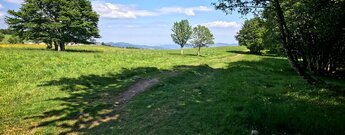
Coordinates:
(316,30)
(2,37)
(5,39)
(59,21)
(243,7)
(271,38)
(46,92)
(251,35)
(182,32)
(311,32)
(14,40)
(201,37)
(6,31)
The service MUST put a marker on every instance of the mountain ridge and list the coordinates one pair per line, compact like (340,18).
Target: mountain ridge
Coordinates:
(160,47)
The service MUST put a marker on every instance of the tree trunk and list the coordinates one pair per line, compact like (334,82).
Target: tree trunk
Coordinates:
(49,45)
(288,46)
(198,53)
(62,46)
(181,50)
(56,46)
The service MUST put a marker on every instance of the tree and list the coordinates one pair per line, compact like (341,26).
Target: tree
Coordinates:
(247,6)
(271,36)
(13,40)
(201,37)
(317,31)
(312,32)
(55,22)
(182,32)
(251,35)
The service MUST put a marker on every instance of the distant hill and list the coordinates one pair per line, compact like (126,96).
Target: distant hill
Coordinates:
(174,46)
(128,45)
(160,47)
(224,44)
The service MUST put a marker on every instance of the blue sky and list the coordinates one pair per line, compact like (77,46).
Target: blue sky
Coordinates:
(149,21)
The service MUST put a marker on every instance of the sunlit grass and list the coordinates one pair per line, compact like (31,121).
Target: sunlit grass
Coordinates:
(225,91)
(23,46)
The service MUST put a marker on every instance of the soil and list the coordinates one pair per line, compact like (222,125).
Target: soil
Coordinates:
(135,89)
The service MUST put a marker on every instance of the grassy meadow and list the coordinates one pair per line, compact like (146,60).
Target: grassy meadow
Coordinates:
(224,91)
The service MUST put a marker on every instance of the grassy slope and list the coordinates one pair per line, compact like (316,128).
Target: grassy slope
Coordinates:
(223,92)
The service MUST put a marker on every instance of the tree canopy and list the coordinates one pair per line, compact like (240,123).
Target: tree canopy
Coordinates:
(182,32)
(311,32)
(251,35)
(201,37)
(55,22)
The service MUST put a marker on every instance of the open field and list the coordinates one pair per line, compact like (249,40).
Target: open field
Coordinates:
(225,91)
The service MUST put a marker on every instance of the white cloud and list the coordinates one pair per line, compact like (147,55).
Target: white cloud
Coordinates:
(222,24)
(132,26)
(163,25)
(2,14)
(187,11)
(119,11)
(15,1)
(1,6)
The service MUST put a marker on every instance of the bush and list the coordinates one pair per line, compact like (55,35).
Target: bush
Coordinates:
(13,40)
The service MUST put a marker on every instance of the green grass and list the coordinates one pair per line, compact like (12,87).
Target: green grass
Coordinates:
(225,91)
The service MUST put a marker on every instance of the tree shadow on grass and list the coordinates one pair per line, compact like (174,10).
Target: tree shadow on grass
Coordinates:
(248,53)
(82,51)
(281,102)
(265,95)
(90,101)
(186,54)
(240,52)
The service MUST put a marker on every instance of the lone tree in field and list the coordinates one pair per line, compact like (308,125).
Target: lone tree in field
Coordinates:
(182,32)
(201,37)
(55,22)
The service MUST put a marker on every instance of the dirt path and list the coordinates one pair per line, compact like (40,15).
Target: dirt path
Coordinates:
(135,89)
(142,85)
(119,102)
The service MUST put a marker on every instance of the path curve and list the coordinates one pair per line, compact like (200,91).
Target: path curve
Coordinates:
(135,89)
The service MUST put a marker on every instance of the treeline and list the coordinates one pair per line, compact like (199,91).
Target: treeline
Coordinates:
(311,33)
